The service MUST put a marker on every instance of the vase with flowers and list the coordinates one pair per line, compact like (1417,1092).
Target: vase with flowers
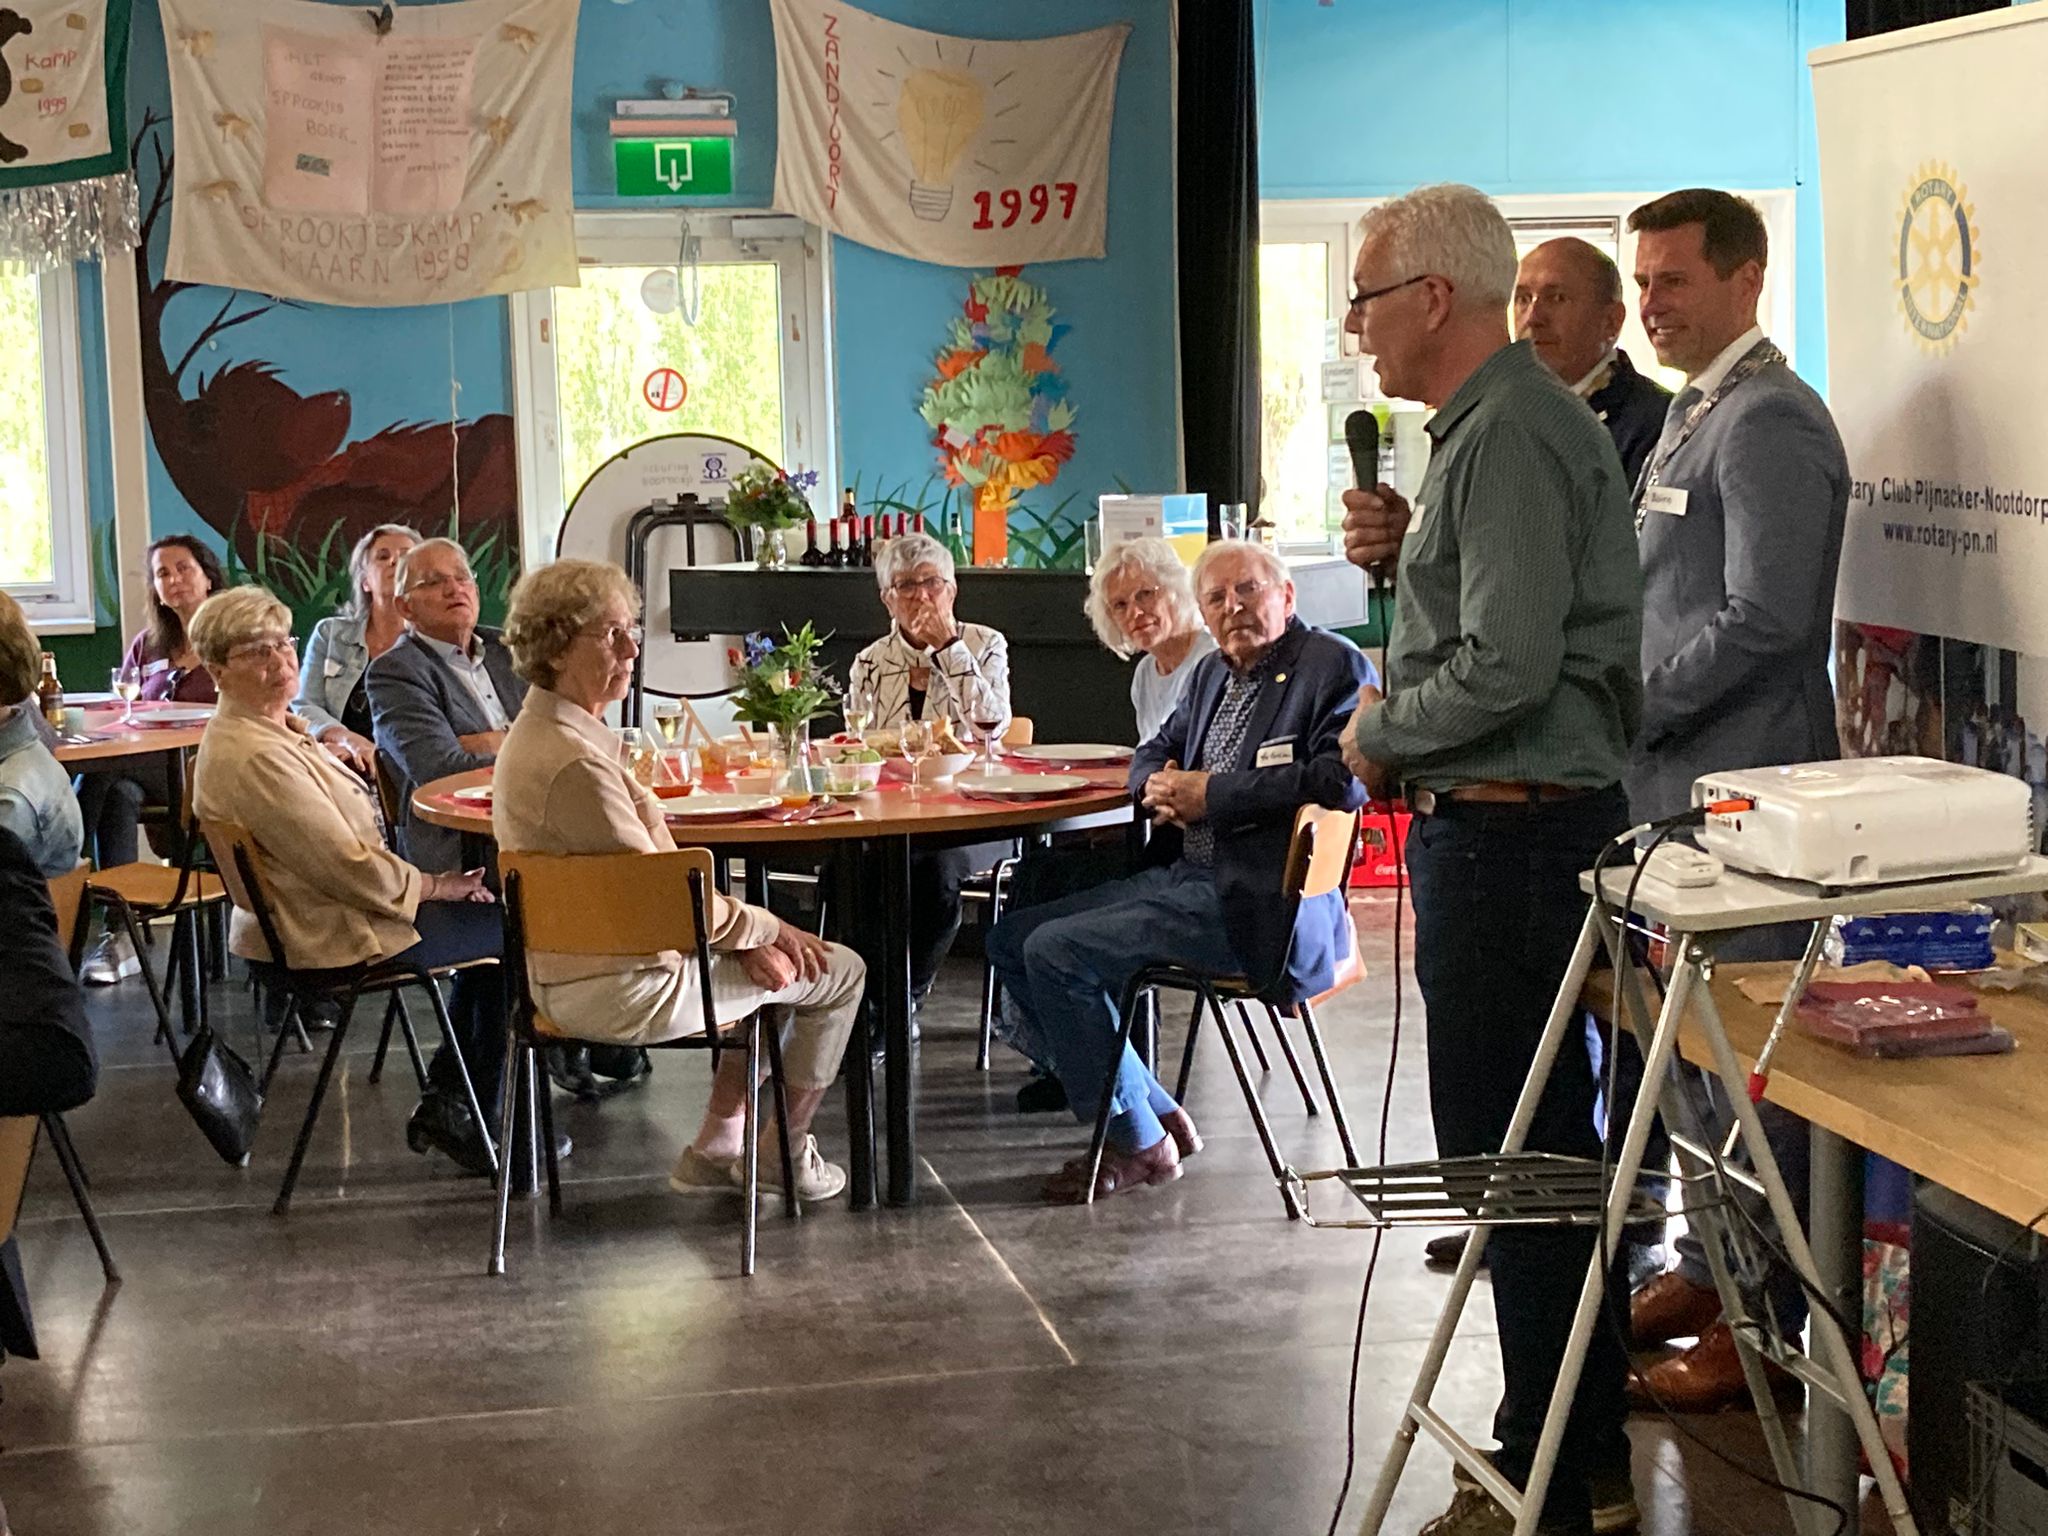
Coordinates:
(766,502)
(783,686)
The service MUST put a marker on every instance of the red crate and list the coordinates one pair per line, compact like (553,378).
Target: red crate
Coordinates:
(1383,837)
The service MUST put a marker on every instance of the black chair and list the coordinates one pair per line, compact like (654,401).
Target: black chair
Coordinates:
(67,896)
(236,853)
(1319,859)
(616,905)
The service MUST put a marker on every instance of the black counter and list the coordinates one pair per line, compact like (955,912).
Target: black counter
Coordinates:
(1060,675)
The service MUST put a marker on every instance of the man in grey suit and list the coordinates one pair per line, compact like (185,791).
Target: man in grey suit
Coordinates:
(442,698)
(1739,518)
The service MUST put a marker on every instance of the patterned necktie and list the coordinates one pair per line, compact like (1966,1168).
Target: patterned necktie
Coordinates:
(1220,747)
(1674,421)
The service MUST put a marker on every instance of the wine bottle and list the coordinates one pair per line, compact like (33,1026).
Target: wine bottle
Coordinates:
(812,555)
(50,693)
(867,539)
(835,557)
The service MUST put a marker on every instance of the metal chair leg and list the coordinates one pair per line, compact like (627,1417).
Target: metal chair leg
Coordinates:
(791,1207)
(284,1033)
(1315,1045)
(750,1152)
(74,1175)
(291,1173)
(545,1102)
(1187,1052)
(384,1039)
(1133,990)
(1308,1097)
(1251,1100)
(1244,1015)
(448,1036)
(508,1103)
(120,908)
(988,1016)
(411,1037)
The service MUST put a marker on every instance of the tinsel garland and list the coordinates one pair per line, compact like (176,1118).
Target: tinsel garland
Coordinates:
(48,226)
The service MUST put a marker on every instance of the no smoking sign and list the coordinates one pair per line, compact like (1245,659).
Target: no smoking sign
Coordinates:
(665,389)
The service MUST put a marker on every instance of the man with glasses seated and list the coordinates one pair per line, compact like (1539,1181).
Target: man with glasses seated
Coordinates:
(932,667)
(1257,735)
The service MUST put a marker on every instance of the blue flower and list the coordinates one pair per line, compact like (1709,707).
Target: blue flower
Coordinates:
(758,648)
(804,479)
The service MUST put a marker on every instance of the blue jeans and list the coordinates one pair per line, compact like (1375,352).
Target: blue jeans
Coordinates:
(451,932)
(1063,966)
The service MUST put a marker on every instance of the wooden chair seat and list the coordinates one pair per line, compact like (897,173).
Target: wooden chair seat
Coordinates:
(157,888)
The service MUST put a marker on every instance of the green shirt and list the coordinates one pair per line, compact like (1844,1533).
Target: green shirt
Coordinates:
(1516,649)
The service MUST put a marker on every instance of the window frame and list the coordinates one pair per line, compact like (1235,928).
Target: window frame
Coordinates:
(652,237)
(66,603)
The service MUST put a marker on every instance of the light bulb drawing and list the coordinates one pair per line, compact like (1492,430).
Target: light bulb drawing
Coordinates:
(939,112)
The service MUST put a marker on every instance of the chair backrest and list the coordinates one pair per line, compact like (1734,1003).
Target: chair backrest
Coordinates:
(1321,852)
(1019,731)
(237,857)
(390,795)
(17,1143)
(67,895)
(609,903)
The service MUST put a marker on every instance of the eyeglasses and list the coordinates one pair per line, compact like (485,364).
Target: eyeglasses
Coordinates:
(263,650)
(437,583)
(1360,300)
(1144,597)
(615,637)
(1246,592)
(929,586)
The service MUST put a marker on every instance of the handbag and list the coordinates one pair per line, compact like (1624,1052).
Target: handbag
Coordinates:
(219,1091)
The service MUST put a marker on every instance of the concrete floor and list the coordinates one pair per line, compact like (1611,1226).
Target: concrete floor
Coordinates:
(1174,1360)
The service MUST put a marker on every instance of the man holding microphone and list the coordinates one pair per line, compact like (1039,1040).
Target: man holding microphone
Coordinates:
(1514,691)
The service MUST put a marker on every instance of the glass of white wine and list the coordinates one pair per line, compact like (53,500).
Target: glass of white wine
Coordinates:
(127,688)
(914,739)
(640,753)
(860,708)
(668,720)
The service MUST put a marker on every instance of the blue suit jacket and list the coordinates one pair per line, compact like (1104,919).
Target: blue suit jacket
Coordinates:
(418,707)
(1311,694)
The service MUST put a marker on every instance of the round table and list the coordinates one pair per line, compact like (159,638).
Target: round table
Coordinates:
(106,737)
(875,841)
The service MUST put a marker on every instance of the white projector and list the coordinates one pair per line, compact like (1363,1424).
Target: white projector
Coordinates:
(1869,821)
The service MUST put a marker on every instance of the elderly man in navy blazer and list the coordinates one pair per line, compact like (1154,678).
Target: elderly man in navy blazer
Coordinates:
(1256,736)
(442,698)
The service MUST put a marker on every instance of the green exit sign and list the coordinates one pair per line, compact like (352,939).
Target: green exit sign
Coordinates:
(672,167)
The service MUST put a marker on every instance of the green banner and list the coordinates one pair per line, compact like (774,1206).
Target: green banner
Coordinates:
(673,167)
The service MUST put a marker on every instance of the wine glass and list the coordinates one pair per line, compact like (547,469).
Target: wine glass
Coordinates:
(127,688)
(914,739)
(668,720)
(640,753)
(987,730)
(860,708)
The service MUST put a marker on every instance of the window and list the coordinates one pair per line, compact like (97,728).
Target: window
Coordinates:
(1312,378)
(706,324)
(45,541)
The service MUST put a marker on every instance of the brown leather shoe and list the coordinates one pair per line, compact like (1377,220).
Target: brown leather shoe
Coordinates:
(1671,1307)
(1157,1164)
(1186,1139)
(1705,1379)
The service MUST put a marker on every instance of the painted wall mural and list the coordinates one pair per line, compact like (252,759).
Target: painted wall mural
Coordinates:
(272,468)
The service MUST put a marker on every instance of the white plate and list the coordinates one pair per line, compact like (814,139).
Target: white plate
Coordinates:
(1070,756)
(476,794)
(701,807)
(89,700)
(175,714)
(1019,786)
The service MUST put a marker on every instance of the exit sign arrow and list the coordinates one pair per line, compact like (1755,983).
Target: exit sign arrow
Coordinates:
(673,167)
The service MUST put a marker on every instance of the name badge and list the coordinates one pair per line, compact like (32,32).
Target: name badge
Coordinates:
(333,668)
(1275,754)
(1668,499)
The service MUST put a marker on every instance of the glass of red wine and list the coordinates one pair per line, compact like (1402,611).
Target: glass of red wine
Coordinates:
(987,732)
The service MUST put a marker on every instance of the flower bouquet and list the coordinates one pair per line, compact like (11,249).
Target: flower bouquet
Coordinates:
(767,501)
(784,687)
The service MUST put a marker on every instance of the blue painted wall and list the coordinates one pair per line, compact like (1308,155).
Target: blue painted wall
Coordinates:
(1536,96)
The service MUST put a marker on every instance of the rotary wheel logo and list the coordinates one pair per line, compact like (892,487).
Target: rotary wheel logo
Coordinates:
(1938,257)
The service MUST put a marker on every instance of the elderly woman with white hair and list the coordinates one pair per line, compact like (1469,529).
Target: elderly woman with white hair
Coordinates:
(930,666)
(339,896)
(559,788)
(1141,603)
(334,698)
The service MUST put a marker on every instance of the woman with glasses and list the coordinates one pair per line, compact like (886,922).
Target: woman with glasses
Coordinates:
(1141,603)
(338,895)
(334,698)
(183,573)
(559,788)
(930,666)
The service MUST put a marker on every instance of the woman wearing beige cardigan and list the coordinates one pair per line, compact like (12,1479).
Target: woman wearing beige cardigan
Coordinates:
(559,788)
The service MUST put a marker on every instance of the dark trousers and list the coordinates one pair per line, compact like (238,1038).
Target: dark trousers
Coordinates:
(1497,913)
(110,801)
(936,875)
(453,931)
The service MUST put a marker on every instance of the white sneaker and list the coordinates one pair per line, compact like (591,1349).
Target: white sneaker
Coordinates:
(110,960)
(816,1179)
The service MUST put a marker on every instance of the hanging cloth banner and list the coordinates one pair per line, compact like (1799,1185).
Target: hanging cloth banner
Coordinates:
(413,155)
(956,150)
(65,191)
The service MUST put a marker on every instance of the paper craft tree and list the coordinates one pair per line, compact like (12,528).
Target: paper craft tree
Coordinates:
(998,408)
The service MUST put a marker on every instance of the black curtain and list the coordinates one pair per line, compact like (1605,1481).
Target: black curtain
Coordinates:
(1219,251)
(1867,18)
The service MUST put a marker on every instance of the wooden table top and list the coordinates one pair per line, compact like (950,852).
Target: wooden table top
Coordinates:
(110,739)
(891,810)
(1970,1123)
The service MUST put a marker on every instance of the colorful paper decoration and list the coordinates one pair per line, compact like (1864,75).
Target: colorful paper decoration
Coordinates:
(65,190)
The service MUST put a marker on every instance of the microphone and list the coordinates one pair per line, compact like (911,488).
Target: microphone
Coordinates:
(1362,438)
